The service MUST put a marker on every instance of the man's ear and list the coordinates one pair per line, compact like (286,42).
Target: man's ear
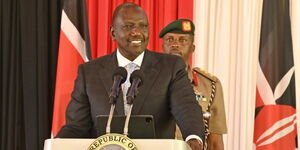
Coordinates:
(193,49)
(112,33)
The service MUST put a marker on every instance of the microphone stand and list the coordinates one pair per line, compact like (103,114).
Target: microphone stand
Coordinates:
(129,101)
(112,100)
(125,132)
(131,94)
(119,78)
(111,112)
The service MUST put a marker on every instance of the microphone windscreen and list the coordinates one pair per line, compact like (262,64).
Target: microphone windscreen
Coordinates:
(120,71)
(137,74)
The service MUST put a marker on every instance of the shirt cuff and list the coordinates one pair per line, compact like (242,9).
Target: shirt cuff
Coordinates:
(194,137)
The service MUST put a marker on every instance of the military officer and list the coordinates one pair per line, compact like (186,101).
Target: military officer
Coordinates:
(178,39)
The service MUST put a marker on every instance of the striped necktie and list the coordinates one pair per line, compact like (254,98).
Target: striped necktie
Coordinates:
(130,68)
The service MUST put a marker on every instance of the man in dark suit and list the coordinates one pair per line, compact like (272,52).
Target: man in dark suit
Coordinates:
(166,93)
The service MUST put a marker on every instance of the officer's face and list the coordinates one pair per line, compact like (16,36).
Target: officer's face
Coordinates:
(179,44)
(130,30)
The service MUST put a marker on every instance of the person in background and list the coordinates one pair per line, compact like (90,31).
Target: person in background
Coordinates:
(178,39)
(164,76)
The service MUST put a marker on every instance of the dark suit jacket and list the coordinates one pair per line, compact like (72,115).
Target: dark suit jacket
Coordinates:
(166,92)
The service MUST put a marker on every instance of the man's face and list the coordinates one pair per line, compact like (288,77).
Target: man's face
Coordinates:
(179,44)
(131,31)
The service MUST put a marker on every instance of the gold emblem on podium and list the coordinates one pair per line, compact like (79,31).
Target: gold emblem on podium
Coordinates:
(112,142)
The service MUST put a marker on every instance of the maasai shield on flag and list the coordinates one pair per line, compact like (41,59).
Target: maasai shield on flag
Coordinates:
(275,113)
(74,49)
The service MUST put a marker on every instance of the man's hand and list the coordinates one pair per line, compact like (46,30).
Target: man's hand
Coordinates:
(215,141)
(195,144)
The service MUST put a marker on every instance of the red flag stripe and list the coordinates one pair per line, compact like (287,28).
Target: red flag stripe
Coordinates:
(275,125)
(278,130)
(259,102)
(68,61)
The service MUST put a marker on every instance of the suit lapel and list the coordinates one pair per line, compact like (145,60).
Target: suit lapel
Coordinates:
(150,71)
(105,73)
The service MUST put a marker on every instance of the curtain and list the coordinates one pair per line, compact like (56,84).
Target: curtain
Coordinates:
(28,43)
(227,43)
(295,23)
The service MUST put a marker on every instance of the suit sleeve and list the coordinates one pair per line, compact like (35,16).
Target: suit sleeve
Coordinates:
(184,107)
(78,117)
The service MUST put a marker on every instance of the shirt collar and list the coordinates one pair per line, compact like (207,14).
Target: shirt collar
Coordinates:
(122,61)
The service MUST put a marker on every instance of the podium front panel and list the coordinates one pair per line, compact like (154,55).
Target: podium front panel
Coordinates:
(142,144)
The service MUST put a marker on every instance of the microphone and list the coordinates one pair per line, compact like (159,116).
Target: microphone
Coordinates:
(119,77)
(136,80)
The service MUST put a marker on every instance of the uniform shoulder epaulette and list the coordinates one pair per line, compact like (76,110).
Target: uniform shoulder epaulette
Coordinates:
(205,74)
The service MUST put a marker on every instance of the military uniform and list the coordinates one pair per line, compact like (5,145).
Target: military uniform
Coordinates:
(209,95)
(207,87)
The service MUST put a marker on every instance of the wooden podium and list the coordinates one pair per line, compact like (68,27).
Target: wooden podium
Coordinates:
(142,144)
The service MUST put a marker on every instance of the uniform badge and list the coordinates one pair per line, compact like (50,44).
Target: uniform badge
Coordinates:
(186,26)
(200,97)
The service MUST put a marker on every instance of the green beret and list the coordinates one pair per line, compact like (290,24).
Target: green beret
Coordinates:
(184,26)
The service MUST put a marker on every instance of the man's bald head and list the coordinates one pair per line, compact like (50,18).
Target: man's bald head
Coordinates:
(126,5)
